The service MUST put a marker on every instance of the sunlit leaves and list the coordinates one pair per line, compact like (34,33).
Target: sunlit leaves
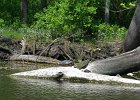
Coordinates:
(128,5)
(67,16)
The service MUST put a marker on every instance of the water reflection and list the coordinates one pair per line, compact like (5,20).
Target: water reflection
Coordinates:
(38,89)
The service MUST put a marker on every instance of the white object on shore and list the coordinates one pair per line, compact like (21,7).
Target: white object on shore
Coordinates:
(70,72)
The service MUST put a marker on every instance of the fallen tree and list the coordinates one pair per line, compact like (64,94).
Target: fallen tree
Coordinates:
(39,59)
(75,75)
(122,64)
(34,58)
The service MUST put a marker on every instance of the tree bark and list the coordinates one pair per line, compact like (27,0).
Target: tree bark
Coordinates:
(107,6)
(24,11)
(122,64)
(132,39)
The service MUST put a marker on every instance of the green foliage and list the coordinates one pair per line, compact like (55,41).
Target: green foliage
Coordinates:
(31,34)
(78,20)
(10,10)
(110,32)
(67,17)
(128,5)
(122,12)
(1,22)
(10,33)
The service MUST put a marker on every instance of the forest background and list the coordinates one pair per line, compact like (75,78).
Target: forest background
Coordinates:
(75,20)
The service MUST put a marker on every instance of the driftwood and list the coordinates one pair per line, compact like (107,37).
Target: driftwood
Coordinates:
(23,44)
(75,75)
(40,59)
(122,64)
(34,58)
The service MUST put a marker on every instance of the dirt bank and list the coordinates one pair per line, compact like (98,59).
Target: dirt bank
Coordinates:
(62,49)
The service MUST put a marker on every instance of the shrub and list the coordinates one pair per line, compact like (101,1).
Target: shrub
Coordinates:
(10,33)
(110,32)
(67,17)
(35,34)
(1,22)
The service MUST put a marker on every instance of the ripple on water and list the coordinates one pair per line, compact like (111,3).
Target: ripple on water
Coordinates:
(37,89)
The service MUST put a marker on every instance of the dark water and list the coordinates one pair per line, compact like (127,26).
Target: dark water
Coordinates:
(38,89)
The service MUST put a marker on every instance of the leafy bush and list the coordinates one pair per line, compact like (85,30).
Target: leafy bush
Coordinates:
(35,34)
(67,17)
(10,33)
(1,22)
(110,32)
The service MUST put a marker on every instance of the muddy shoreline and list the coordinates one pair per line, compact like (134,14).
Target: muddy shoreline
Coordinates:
(61,49)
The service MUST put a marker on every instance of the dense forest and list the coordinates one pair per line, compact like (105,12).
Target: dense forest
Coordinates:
(89,35)
(76,20)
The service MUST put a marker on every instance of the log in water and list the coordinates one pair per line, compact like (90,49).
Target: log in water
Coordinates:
(122,64)
(74,73)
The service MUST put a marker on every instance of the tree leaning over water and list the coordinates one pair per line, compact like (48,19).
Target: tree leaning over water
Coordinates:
(132,39)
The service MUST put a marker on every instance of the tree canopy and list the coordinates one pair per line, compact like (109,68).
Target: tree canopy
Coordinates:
(70,18)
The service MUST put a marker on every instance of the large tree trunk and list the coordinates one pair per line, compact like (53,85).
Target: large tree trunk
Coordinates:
(107,6)
(133,36)
(122,64)
(24,11)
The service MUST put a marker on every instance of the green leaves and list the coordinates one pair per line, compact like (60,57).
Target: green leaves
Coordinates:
(128,5)
(67,16)
(1,22)
(91,10)
(110,32)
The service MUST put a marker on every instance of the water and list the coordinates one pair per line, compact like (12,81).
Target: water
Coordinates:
(38,89)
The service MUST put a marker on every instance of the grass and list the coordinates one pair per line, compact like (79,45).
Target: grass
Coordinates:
(8,32)
(106,33)
(111,32)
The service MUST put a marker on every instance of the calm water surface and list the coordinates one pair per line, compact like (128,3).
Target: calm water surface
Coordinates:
(37,89)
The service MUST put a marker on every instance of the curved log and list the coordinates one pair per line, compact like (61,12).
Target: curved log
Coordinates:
(75,74)
(122,64)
